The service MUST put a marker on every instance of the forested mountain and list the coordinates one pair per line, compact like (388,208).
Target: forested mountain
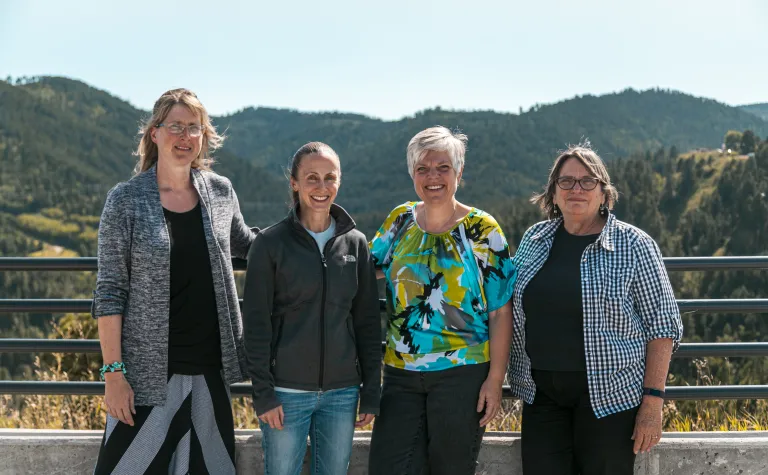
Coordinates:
(508,154)
(63,144)
(760,110)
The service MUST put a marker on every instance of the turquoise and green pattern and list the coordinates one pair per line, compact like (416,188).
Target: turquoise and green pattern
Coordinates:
(441,288)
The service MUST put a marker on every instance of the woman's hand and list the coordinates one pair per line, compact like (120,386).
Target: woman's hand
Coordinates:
(118,397)
(489,399)
(364,419)
(273,417)
(648,424)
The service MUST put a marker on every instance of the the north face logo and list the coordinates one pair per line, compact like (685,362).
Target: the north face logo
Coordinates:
(349,258)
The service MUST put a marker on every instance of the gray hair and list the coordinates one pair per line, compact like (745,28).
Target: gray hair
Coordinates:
(592,162)
(437,139)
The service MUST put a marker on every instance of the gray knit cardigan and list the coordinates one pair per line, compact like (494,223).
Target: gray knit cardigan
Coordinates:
(134,275)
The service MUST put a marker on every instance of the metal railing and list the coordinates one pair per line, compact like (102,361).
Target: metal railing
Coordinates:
(686,350)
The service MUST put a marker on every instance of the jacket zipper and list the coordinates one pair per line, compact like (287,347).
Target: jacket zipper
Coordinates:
(322,320)
(322,253)
(322,310)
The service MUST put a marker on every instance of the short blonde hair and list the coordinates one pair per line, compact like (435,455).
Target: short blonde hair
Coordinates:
(592,162)
(147,150)
(437,139)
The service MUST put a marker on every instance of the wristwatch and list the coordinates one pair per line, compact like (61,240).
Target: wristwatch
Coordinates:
(653,392)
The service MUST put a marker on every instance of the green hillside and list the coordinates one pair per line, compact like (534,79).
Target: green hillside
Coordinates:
(508,154)
(760,110)
(64,144)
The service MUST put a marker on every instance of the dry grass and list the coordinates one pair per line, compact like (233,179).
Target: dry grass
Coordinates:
(720,415)
(52,412)
(87,412)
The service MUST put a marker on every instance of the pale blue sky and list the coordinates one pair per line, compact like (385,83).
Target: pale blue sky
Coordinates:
(391,58)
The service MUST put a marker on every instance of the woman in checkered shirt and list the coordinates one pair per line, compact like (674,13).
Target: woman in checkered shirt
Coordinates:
(595,325)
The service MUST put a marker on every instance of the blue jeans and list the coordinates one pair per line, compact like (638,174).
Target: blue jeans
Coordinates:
(327,417)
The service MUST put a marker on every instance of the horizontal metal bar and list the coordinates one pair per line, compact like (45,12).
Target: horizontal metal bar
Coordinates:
(701,393)
(34,345)
(48,263)
(69,263)
(696,350)
(52,387)
(715,263)
(45,305)
(69,305)
(723,305)
(686,350)
(677,393)
(671,263)
(84,305)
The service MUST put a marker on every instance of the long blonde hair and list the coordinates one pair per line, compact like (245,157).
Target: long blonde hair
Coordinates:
(147,150)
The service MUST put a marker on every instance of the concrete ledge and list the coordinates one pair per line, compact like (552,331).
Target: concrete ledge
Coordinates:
(53,452)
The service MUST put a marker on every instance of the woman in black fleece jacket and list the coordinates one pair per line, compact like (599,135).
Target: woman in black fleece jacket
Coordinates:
(312,325)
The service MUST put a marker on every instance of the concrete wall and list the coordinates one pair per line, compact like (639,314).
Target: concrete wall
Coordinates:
(74,452)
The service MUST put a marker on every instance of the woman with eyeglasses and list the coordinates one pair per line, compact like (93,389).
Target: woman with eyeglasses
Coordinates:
(167,308)
(596,323)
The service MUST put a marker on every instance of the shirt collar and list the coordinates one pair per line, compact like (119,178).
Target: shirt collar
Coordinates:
(344,222)
(606,235)
(547,232)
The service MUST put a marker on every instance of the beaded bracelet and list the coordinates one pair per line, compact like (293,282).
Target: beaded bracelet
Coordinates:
(116,366)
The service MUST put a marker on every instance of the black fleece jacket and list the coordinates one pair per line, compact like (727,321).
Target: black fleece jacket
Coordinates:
(312,322)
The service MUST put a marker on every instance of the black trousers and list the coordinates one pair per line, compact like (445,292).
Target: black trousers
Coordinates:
(428,422)
(562,436)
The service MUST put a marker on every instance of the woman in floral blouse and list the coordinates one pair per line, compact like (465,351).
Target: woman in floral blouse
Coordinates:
(449,281)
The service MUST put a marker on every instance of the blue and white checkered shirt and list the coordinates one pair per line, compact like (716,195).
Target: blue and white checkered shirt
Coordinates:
(627,301)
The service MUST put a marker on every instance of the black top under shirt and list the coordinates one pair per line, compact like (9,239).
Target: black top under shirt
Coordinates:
(554,317)
(194,344)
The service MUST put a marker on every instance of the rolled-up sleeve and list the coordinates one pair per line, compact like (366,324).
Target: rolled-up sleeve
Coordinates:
(654,298)
(114,247)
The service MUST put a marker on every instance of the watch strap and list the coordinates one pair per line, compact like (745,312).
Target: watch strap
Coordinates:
(653,392)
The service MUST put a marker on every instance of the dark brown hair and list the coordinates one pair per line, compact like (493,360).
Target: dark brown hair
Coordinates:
(591,160)
(310,148)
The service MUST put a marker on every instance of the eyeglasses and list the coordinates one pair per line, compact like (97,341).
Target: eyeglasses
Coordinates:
(586,183)
(178,129)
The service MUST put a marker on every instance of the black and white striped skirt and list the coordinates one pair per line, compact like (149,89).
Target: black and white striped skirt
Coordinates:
(193,433)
